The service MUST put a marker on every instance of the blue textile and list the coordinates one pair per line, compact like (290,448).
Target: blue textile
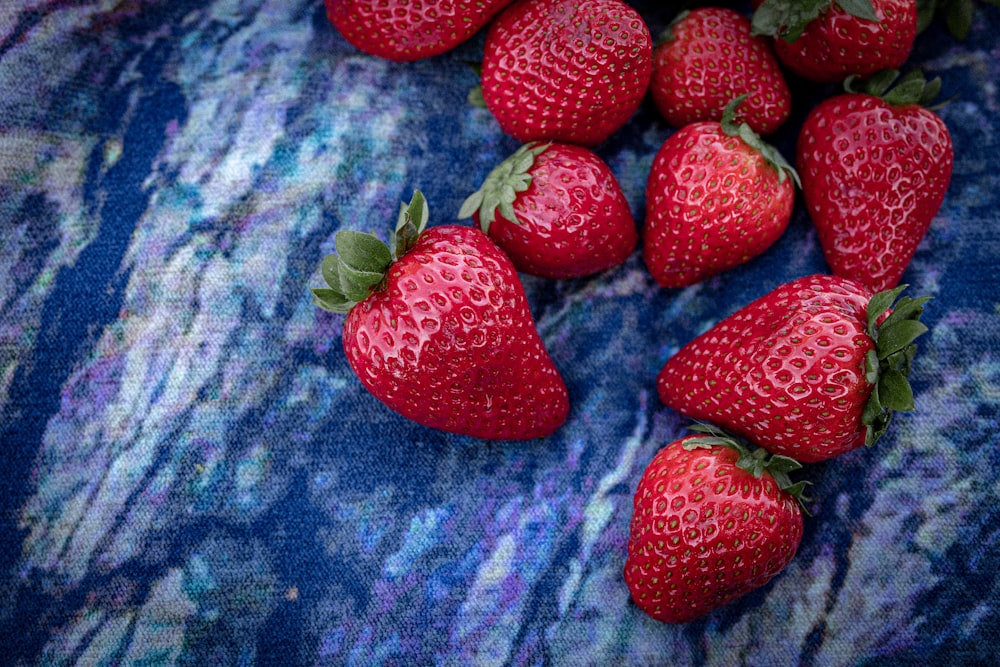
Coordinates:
(192,475)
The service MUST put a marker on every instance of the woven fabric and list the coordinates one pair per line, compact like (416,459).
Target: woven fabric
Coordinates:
(192,475)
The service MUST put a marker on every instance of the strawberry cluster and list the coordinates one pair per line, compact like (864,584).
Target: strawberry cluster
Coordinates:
(438,327)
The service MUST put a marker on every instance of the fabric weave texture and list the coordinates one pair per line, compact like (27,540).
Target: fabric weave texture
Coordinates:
(193,476)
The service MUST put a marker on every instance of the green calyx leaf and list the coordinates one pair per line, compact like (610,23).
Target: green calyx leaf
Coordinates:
(363,252)
(887,366)
(331,300)
(771,154)
(475,65)
(410,224)
(926,9)
(475,96)
(895,338)
(911,88)
(502,185)
(958,15)
(862,9)
(362,260)
(752,459)
(787,19)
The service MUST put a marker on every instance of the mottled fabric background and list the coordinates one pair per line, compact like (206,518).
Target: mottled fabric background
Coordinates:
(193,476)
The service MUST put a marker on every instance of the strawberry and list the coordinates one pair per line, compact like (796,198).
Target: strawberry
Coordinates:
(403,31)
(716,197)
(438,328)
(875,169)
(556,210)
(706,58)
(826,41)
(811,370)
(711,522)
(571,71)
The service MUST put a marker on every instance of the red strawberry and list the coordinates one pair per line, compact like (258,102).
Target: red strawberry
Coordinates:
(572,71)
(402,30)
(716,197)
(705,59)
(710,522)
(556,210)
(875,171)
(830,40)
(439,329)
(811,370)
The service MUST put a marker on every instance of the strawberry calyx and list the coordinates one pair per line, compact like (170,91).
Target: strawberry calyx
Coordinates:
(893,326)
(753,460)
(362,259)
(958,16)
(911,88)
(742,130)
(475,95)
(787,19)
(502,185)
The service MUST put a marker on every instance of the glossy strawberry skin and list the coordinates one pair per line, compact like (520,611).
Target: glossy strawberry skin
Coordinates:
(403,31)
(572,221)
(572,71)
(874,176)
(786,372)
(449,342)
(705,532)
(712,203)
(837,44)
(711,59)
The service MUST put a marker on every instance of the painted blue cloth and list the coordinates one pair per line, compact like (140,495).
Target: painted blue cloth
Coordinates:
(192,475)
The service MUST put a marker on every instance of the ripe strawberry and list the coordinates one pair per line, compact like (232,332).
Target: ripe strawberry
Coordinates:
(556,210)
(438,328)
(716,197)
(875,169)
(404,31)
(711,522)
(705,59)
(828,41)
(811,370)
(572,71)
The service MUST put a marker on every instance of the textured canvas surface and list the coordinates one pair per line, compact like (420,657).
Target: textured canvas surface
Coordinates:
(192,475)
